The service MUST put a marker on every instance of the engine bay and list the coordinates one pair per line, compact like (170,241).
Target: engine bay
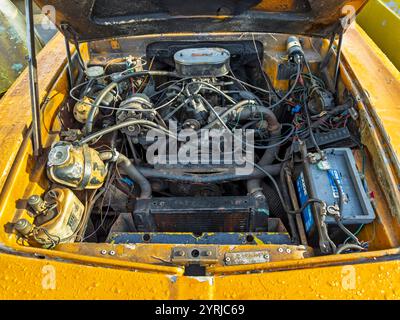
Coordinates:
(206,142)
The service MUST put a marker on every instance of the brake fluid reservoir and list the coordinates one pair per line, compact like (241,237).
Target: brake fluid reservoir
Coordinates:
(58,220)
(67,216)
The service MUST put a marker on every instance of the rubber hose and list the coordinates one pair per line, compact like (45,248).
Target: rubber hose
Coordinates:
(152,173)
(92,112)
(268,115)
(230,110)
(136,176)
(254,186)
(274,204)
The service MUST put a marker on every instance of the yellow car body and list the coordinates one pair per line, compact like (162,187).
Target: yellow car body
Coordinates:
(81,271)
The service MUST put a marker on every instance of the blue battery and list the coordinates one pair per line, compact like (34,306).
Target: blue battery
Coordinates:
(357,208)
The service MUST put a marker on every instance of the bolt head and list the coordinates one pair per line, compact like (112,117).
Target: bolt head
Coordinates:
(33,199)
(180,253)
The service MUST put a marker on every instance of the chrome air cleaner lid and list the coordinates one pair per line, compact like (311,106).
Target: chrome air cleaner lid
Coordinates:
(202,62)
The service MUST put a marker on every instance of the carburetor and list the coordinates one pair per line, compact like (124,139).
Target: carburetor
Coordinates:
(77,167)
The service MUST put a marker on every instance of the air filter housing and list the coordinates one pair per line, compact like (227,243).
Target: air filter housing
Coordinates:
(202,62)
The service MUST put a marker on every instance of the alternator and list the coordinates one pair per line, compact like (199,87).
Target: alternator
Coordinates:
(136,107)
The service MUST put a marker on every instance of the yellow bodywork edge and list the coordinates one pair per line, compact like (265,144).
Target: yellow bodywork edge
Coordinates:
(25,277)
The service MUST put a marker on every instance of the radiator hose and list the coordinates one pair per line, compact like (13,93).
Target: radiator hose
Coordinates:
(131,171)
(254,186)
(223,177)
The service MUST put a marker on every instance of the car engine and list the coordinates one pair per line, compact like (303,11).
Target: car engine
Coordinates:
(196,139)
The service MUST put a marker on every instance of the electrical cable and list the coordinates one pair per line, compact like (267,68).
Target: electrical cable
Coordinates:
(328,54)
(265,75)
(122,125)
(92,113)
(275,184)
(346,247)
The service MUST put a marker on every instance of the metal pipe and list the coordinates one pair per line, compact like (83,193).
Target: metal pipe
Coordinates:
(286,198)
(69,66)
(296,207)
(337,65)
(328,54)
(33,79)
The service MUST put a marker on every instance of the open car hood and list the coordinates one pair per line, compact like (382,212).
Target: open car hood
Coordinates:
(100,19)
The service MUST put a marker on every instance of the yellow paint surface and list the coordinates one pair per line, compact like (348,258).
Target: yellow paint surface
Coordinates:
(27,278)
(379,78)
(91,278)
(15,110)
(381,22)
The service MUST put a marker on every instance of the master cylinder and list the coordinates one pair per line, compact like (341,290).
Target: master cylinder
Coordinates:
(78,167)
(57,218)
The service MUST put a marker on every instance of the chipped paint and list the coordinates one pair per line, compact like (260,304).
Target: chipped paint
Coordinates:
(130,246)
(22,278)
(172,278)
(85,276)
(208,279)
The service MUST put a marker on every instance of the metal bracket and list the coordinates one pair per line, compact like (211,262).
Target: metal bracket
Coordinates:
(250,257)
(192,255)
(33,79)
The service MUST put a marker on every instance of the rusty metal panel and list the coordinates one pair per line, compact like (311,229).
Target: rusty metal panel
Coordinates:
(98,19)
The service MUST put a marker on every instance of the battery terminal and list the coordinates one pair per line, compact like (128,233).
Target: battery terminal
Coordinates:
(320,160)
(334,211)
